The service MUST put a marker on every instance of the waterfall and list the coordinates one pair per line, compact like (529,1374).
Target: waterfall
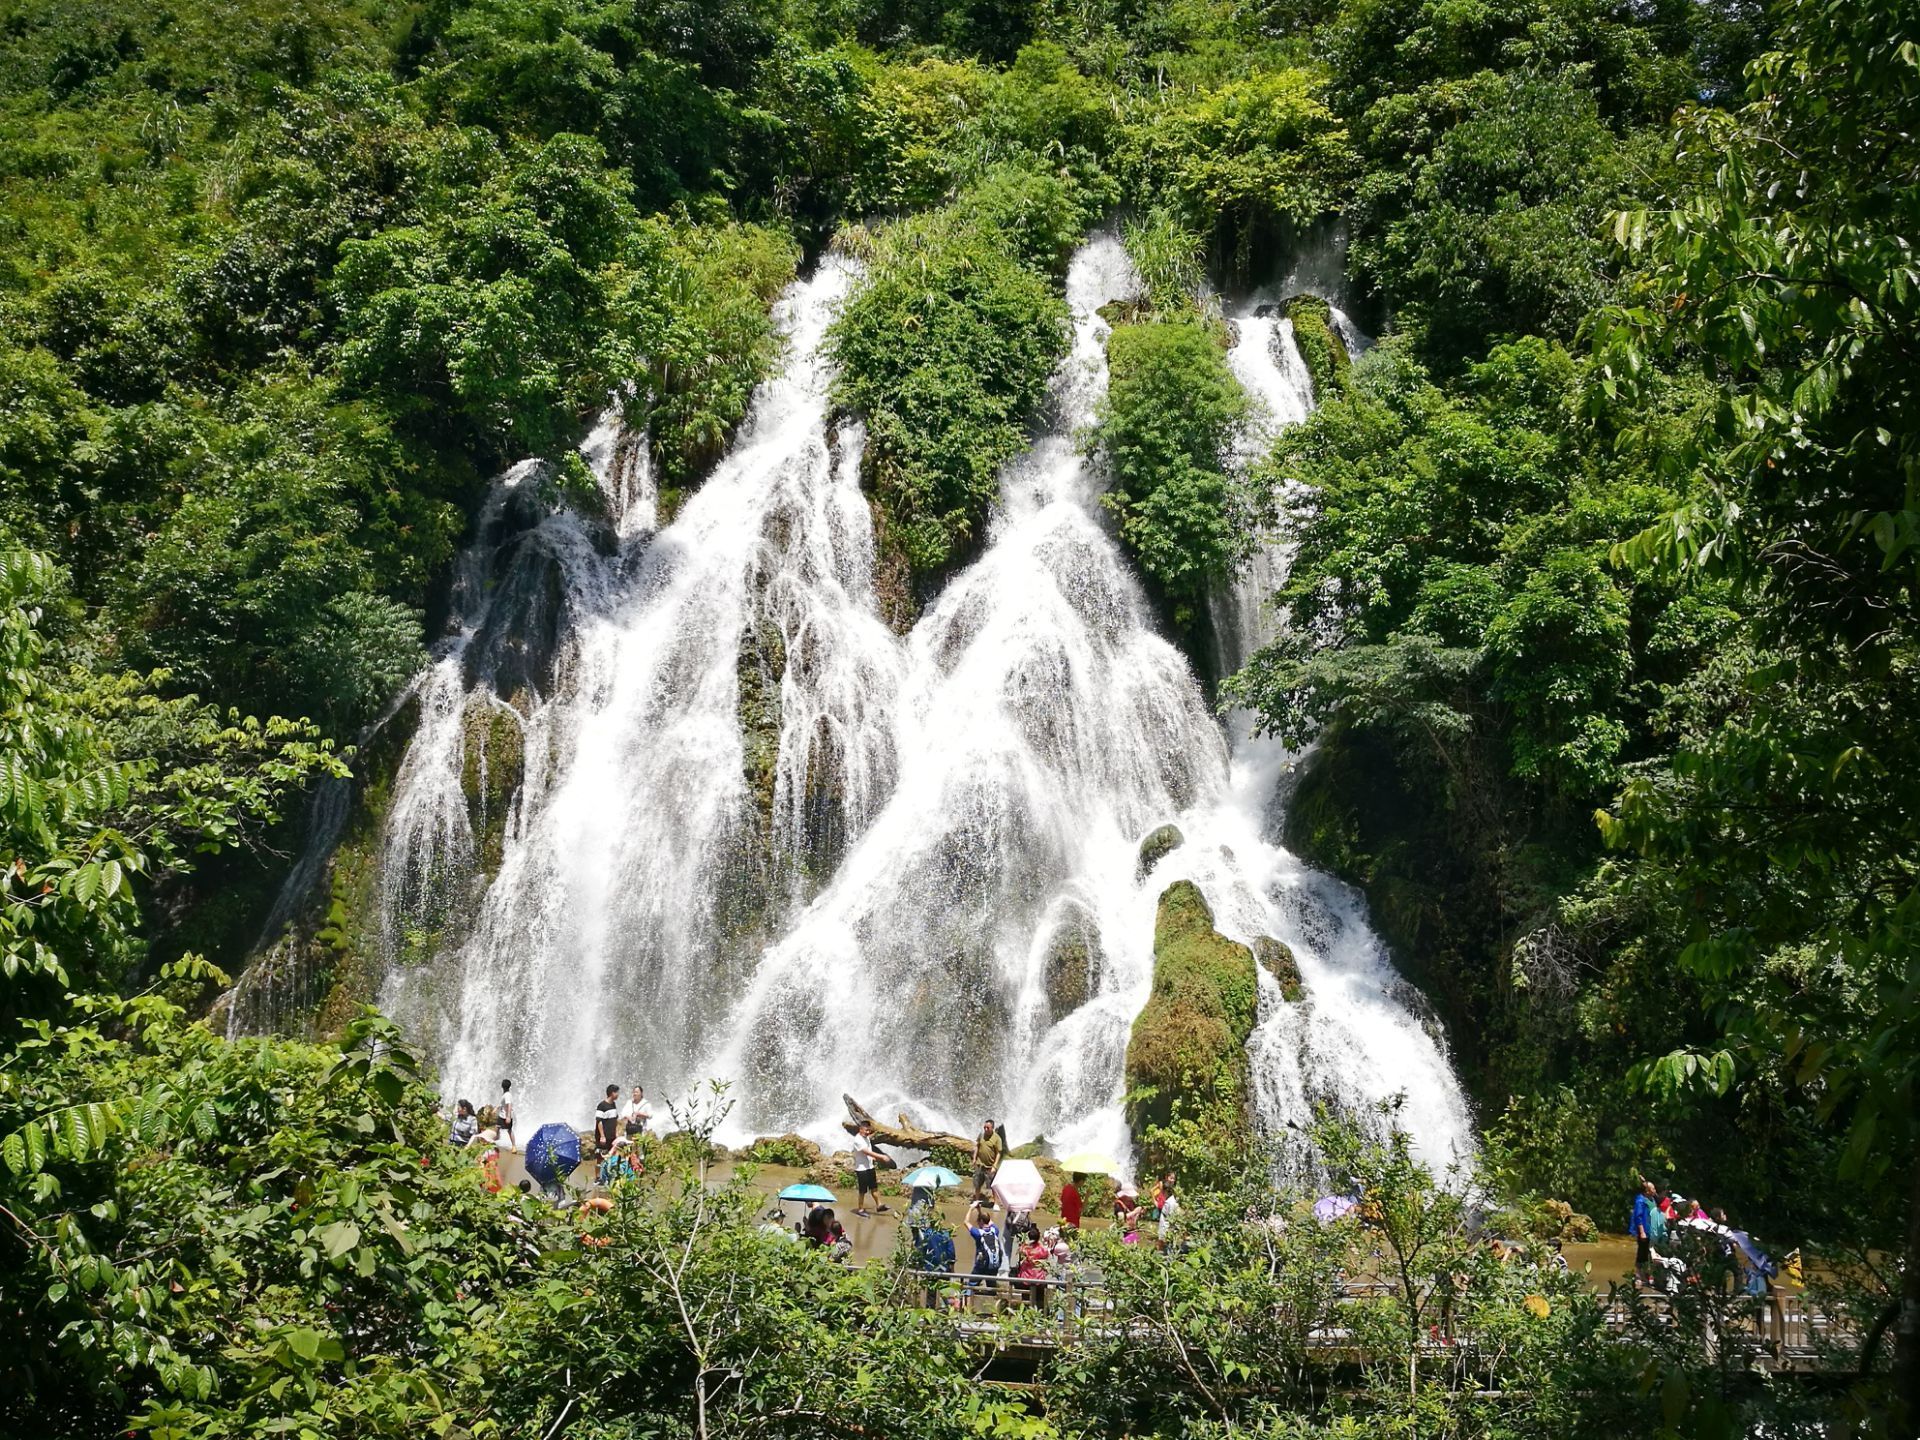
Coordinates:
(757,835)
(1362,1035)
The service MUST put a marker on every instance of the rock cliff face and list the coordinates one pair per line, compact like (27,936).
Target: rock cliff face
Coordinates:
(1187,1056)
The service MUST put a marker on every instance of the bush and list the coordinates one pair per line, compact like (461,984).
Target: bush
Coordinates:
(1166,431)
(946,350)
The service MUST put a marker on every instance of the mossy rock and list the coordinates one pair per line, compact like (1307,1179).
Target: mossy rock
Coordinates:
(493,763)
(1276,958)
(1158,844)
(789,1149)
(1190,1041)
(1071,963)
(1321,350)
(893,586)
(762,666)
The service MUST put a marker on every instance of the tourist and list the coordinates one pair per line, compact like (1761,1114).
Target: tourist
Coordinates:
(489,1139)
(933,1247)
(987,1150)
(634,1117)
(839,1247)
(866,1175)
(1126,1215)
(988,1253)
(1033,1257)
(619,1164)
(1169,1209)
(1070,1203)
(464,1126)
(1640,1228)
(606,1119)
(1161,1192)
(503,1112)
(817,1229)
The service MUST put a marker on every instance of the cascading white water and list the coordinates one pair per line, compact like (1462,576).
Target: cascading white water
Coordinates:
(761,837)
(1359,1038)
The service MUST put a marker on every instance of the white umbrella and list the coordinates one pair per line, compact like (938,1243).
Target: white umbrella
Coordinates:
(1019,1184)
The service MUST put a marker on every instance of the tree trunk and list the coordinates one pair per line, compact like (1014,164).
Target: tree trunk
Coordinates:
(904,1133)
(1906,1330)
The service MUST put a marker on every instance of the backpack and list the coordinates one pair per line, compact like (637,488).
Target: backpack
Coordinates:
(987,1261)
(936,1250)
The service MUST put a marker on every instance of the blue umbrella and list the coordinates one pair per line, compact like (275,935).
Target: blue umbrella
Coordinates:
(933,1177)
(552,1152)
(819,1194)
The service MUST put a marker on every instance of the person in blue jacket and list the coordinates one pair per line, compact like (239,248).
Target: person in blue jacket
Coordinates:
(1640,1227)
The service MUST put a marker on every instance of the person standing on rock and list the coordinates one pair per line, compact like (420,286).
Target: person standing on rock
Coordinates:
(606,1120)
(636,1114)
(866,1175)
(503,1112)
(987,1150)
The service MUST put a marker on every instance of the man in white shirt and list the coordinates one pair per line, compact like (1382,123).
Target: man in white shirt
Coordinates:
(636,1114)
(865,1158)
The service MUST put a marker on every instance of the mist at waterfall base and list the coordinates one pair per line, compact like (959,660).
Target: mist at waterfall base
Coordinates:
(760,837)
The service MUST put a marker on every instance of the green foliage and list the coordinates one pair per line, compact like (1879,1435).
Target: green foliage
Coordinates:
(101,782)
(1166,430)
(1323,352)
(945,350)
(1251,163)
(1784,820)
(205,1236)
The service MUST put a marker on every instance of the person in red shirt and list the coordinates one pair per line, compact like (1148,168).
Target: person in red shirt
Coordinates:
(1070,1202)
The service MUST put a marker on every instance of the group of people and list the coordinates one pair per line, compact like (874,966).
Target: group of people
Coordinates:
(1658,1213)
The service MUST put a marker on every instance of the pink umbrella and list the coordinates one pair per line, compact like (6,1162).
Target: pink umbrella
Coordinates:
(1332,1207)
(1019,1184)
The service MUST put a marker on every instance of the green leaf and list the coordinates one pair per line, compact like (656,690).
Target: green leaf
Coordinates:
(339,1237)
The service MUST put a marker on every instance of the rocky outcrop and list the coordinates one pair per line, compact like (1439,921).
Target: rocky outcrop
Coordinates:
(1071,966)
(1187,1055)
(493,764)
(1277,960)
(762,666)
(1323,352)
(1158,844)
(789,1149)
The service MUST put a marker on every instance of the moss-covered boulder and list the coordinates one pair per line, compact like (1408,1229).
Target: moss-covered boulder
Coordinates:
(789,1149)
(1072,961)
(1321,349)
(1276,958)
(1188,1050)
(1158,844)
(493,763)
(762,666)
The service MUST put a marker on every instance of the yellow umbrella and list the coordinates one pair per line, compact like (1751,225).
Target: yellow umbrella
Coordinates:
(1090,1162)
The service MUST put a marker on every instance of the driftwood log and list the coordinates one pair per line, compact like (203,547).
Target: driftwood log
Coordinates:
(904,1133)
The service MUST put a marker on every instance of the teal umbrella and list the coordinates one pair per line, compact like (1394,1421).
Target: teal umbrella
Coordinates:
(932,1177)
(812,1194)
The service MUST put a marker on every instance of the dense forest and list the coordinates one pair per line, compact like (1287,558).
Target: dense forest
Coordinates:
(1603,627)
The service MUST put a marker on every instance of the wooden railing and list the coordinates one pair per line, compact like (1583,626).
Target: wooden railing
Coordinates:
(1781,1333)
